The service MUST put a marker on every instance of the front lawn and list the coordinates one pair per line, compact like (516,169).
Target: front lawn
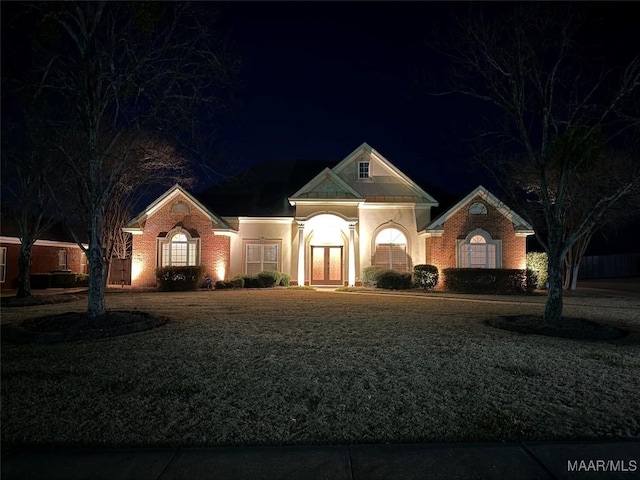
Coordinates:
(302,367)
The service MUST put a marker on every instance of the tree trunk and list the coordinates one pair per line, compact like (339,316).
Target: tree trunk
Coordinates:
(24,269)
(96,306)
(553,307)
(107,272)
(574,277)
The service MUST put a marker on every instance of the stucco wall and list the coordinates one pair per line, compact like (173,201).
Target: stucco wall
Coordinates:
(375,218)
(281,231)
(214,249)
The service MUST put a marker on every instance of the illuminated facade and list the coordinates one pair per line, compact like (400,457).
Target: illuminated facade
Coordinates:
(361,212)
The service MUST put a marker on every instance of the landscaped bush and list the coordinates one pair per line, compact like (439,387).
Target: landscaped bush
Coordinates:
(487,280)
(539,265)
(40,280)
(82,280)
(285,280)
(248,281)
(234,283)
(268,279)
(179,278)
(63,280)
(392,280)
(425,276)
(370,276)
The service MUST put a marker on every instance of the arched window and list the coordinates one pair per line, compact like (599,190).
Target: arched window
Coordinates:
(180,207)
(391,250)
(479,250)
(478,209)
(178,250)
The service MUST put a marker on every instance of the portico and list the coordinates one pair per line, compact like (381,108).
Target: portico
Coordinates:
(327,250)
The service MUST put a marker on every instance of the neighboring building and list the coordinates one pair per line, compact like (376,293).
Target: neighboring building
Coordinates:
(325,230)
(55,251)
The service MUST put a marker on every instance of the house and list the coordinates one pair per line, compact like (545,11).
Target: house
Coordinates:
(54,251)
(337,221)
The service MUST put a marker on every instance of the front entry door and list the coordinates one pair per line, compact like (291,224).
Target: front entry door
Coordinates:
(326,265)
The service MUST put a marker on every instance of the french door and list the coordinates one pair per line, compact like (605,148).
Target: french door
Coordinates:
(326,265)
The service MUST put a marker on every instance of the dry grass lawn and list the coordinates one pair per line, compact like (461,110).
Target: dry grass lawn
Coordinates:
(301,367)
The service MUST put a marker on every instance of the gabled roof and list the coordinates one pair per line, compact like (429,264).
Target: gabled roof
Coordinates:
(326,186)
(136,223)
(519,223)
(366,151)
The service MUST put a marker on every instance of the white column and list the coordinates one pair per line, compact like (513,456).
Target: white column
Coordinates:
(301,254)
(352,254)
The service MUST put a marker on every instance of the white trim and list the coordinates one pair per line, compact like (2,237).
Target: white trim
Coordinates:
(41,243)
(165,198)
(326,174)
(368,164)
(365,149)
(276,220)
(133,231)
(316,201)
(385,205)
(488,241)
(487,196)
(167,240)
(224,233)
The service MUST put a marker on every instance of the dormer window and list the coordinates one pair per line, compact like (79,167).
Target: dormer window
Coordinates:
(363,170)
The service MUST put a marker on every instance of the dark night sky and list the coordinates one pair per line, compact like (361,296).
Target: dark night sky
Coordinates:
(321,78)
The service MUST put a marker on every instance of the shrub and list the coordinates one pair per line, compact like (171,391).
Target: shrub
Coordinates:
(40,280)
(392,280)
(370,276)
(235,283)
(82,280)
(63,280)
(425,276)
(487,280)
(268,279)
(537,262)
(179,278)
(248,281)
(285,280)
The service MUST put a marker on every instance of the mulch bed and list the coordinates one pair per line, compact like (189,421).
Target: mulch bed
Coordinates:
(574,328)
(74,326)
(35,300)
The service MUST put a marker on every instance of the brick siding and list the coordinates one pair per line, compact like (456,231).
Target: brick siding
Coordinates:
(44,259)
(441,251)
(214,249)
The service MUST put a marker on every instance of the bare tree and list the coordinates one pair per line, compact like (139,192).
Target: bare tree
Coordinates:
(25,169)
(122,76)
(606,172)
(526,62)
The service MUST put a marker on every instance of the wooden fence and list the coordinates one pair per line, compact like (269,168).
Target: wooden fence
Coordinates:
(608,266)
(120,273)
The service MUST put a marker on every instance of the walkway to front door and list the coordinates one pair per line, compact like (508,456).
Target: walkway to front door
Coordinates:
(326,265)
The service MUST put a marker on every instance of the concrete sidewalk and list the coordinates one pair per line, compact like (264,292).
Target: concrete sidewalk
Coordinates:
(508,461)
